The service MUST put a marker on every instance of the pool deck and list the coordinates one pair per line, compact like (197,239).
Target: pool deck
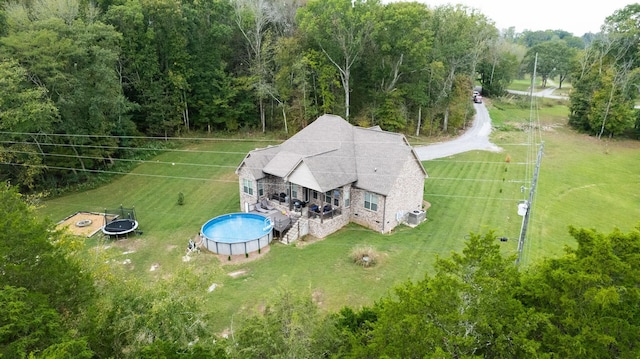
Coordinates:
(280,221)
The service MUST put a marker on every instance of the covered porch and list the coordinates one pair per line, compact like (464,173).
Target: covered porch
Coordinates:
(307,202)
(324,211)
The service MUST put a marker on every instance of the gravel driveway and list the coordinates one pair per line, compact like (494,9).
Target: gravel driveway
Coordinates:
(475,138)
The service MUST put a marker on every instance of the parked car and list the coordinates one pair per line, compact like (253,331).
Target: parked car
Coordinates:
(476,97)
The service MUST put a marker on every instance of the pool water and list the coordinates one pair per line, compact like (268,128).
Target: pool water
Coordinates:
(236,227)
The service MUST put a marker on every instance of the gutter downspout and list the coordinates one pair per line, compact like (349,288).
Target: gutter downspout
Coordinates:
(384,213)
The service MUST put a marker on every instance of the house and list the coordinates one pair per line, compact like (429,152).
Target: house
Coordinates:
(332,173)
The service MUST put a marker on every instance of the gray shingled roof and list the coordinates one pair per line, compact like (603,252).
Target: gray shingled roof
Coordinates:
(257,159)
(336,153)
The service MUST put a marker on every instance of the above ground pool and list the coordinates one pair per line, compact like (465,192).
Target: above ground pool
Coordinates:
(237,233)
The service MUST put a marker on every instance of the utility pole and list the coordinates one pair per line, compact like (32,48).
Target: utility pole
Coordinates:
(527,204)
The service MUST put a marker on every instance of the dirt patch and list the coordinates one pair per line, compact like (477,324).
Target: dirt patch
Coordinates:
(129,245)
(171,247)
(306,240)
(318,297)
(231,177)
(239,259)
(237,273)
(83,223)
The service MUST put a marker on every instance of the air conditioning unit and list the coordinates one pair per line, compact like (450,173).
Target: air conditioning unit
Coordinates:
(416,217)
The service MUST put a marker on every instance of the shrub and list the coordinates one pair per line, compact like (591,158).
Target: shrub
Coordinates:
(365,256)
(180,198)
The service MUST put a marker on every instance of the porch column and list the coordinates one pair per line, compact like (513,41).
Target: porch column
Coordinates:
(289,194)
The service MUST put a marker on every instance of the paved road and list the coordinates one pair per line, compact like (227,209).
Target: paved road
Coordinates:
(548,93)
(475,138)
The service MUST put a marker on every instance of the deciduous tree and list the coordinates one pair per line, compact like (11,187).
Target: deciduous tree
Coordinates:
(607,78)
(43,288)
(590,296)
(469,308)
(24,108)
(341,30)
(135,319)
(398,61)
(292,327)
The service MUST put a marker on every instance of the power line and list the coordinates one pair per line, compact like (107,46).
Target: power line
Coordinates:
(481,162)
(526,205)
(112,159)
(105,147)
(83,156)
(87,157)
(162,138)
(121,148)
(475,180)
(195,139)
(515,200)
(199,165)
(116,172)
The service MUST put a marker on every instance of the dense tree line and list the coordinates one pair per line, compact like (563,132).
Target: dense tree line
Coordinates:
(476,304)
(603,69)
(606,78)
(78,78)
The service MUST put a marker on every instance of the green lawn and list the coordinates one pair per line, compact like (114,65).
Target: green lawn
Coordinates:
(524,84)
(564,91)
(582,182)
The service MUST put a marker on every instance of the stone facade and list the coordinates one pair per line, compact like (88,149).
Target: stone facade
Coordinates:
(247,201)
(364,216)
(407,195)
(322,229)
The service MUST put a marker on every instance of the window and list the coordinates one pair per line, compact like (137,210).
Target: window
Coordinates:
(347,198)
(315,194)
(327,197)
(371,201)
(247,186)
(260,189)
(294,191)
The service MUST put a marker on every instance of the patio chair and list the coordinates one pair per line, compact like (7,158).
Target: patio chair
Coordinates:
(260,209)
(265,204)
